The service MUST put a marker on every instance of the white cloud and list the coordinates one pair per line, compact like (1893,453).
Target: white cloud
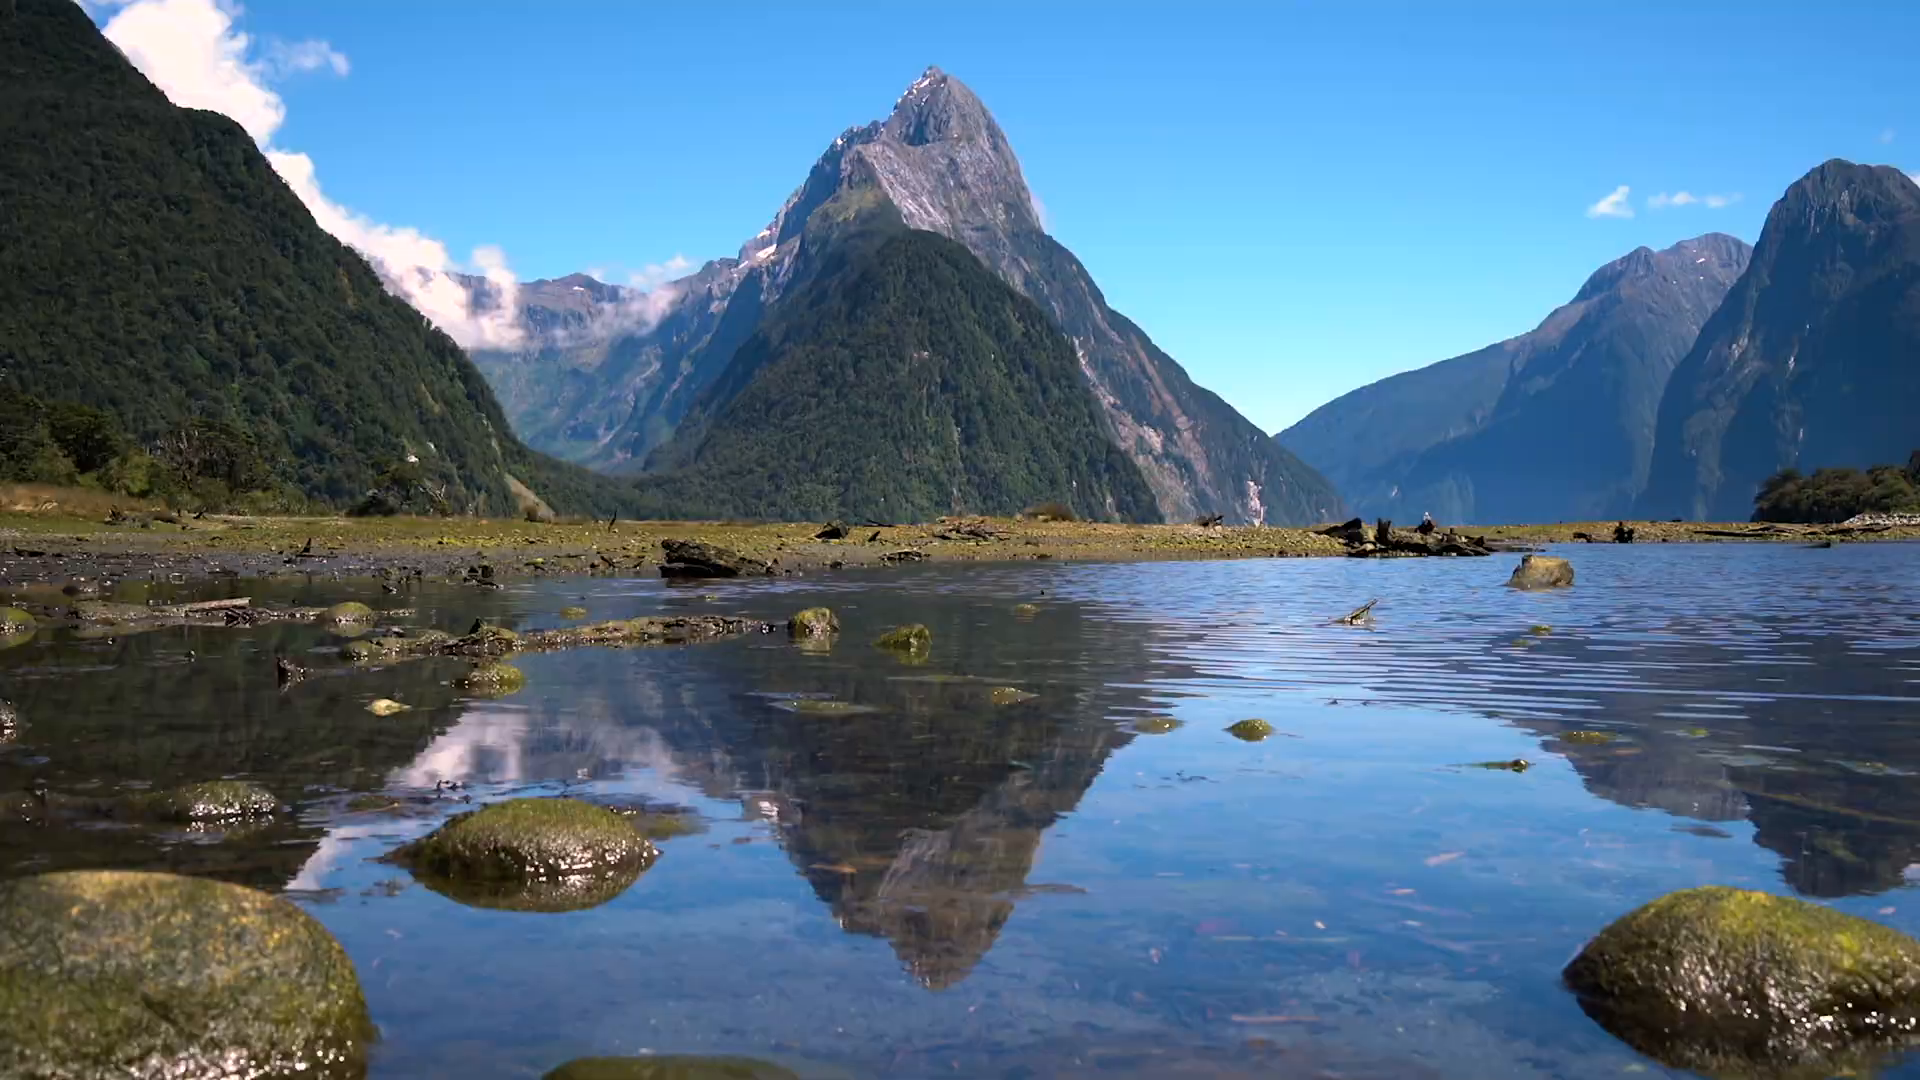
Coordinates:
(1886,136)
(1613,206)
(1686,198)
(193,52)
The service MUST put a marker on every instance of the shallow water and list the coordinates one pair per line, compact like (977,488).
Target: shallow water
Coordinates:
(942,886)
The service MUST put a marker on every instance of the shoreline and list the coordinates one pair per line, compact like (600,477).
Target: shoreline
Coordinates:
(54,548)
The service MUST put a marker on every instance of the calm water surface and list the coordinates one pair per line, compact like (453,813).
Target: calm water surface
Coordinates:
(945,887)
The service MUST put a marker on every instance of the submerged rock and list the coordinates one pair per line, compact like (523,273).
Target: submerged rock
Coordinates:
(16,627)
(1156,725)
(670,1067)
(1729,982)
(913,638)
(9,721)
(493,678)
(531,855)
(1250,730)
(347,613)
(814,622)
(1025,611)
(574,612)
(1009,695)
(110,973)
(212,800)
(1541,572)
(693,559)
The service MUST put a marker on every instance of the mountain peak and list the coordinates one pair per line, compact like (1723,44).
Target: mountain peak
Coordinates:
(1714,255)
(938,107)
(1864,193)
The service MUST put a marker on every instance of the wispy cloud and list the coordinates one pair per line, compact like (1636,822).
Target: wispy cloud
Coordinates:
(1613,206)
(192,50)
(1886,136)
(1663,200)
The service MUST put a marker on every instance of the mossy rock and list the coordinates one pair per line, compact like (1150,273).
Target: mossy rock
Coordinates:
(360,651)
(211,800)
(386,707)
(824,707)
(1026,611)
(1586,738)
(1731,983)
(814,622)
(1156,725)
(1250,730)
(913,639)
(111,973)
(531,855)
(353,611)
(494,679)
(14,621)
(574,612)
(670,1067)
(1009,695)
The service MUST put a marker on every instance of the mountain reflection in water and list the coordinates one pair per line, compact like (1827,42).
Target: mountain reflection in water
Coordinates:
(1078,889)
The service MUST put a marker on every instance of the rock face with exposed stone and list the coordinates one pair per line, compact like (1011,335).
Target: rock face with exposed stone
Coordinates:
(693,559)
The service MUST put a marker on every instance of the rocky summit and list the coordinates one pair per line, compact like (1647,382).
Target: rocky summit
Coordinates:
(1811,359)
(607,381)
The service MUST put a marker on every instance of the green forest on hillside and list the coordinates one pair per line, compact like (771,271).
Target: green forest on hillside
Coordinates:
(904,383)
(1831,495)
(163,289)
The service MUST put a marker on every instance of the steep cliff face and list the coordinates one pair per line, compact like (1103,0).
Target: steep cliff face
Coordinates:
(944,165)
(1814,358)
(1554,425)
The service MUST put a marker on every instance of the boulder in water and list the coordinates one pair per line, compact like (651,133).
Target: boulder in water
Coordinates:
(913,639)
(693,559)
(111,973)
(531,855)
(1541,572)
(1730,982)
(814,622)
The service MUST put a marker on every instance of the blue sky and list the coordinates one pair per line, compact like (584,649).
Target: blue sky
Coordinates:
(1293,199)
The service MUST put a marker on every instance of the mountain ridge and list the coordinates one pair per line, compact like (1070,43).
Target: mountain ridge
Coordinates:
(155,266)
(1555,424)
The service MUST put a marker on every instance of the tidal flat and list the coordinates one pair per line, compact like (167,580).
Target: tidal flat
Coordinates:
(1040,843)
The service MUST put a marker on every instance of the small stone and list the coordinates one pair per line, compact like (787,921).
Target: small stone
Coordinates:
(913,638)
(386,707)
(348,613)
(1252,730)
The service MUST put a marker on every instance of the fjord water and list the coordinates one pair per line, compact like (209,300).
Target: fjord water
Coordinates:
(938,885)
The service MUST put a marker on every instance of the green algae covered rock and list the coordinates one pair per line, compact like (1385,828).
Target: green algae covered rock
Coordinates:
(574,612)
(212,800)
(16,627)
(495,679)
(1250,730)
(353,611)
(670,1067)
(1730,983)
(1156,725)
(1025,611)
(531,855)
(143,975)
(814,622)
(911,639)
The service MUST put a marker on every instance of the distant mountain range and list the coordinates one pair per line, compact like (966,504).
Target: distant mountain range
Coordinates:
(607,382)
(1673,383)
(154,266)
(1554,425)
